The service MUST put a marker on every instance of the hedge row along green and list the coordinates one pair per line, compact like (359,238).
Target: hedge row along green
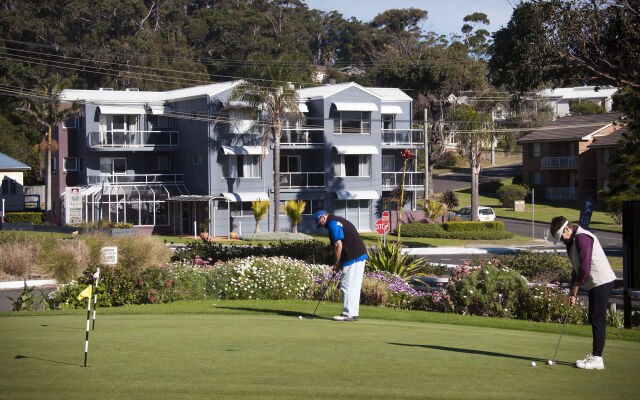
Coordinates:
(311,251)
(35,218)
(473,226)
(437,231)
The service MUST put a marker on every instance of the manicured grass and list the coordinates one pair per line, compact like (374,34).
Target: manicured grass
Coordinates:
(371,239)
(224,349)
(544,210)
(616,263)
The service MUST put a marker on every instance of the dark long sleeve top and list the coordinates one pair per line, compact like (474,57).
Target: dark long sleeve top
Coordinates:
(584,245)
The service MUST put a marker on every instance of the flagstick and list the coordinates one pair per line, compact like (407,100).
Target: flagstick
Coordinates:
(95,303)
(86,342)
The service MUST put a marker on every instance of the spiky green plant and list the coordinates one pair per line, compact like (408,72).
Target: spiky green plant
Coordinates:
(294,210)
(449,199)
(260,209)
(388,257)
(434,209)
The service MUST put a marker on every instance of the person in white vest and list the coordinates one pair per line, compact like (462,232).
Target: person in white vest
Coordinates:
(592,270)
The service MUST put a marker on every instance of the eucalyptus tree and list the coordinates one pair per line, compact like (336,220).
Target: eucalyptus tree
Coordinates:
(49,112)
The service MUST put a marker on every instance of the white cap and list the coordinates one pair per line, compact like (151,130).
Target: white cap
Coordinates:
(557,235)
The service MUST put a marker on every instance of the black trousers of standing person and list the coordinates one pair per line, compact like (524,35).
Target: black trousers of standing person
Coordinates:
(598,304)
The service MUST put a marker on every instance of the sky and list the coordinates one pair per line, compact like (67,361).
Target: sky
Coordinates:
(444,17)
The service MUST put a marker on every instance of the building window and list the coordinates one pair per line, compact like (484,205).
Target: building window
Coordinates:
(196,159)
(70,164)
(606,186)
(351,121)
(352,165)
(113,166)
(242,166)
(290,163)
(80,164)
(54,163)
(573,149)
(9,186)
(535,150)
(608,155)
(241,209)
(388,121)
(240,123)
(535,178)
(70,123)
(162,163)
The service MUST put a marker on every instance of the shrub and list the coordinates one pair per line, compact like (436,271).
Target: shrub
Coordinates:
(17,258)
(141,251)
(276,236)
(437,231)
(487,291)
(537,266)
(450,159)
(586,107)
(388,257)
(65,260)
(551,305)
(510,193)
(310,251)
(473,226)
(490,187)
(35,218)
(373,292)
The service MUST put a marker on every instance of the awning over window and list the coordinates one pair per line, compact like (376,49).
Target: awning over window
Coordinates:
(245,196)
(355,149)
(120,110)
(391,110)
(357,195)
(340,106)
(236,150)
(159,109)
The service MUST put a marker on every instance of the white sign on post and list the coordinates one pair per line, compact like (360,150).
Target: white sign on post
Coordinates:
(109,255)
(73,205)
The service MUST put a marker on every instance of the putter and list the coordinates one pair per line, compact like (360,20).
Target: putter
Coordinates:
(323,294)
(553,360)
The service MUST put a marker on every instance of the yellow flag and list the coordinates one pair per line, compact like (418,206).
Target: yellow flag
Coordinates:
(85,293)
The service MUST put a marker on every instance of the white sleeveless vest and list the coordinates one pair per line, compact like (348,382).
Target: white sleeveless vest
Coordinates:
(601,271)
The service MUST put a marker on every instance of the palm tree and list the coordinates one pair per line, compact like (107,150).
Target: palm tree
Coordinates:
(434,209)
(49,112)
(260,209)
(275,101)
(294,210)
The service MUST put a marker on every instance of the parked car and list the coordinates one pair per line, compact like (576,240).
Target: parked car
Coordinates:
(484,214)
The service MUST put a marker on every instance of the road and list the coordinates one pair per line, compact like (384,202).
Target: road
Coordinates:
(459,180)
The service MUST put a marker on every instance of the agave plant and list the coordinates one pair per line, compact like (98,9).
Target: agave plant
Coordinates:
(388,257)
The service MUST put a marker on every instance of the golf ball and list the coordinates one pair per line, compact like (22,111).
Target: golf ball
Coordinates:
(533,363)
(550,362)
(299,316)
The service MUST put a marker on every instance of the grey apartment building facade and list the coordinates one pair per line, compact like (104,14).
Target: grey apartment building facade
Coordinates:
(170,161)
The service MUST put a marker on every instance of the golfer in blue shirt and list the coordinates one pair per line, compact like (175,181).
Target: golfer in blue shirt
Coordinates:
(351,256)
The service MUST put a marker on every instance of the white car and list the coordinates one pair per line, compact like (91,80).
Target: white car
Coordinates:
(484,214)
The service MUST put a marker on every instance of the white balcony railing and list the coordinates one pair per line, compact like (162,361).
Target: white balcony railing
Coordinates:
(402,137)
(302,136)
(568,192)
(135,179)
(291,180)
(559,162)
(393,179)
(133,139)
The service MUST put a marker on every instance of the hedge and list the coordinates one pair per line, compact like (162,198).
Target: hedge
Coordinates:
(35,218)
(437,231)
(473,226)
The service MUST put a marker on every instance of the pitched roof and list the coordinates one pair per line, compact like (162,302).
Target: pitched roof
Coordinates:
(610,140)
(580,92)
(576,128)
(325,91)
(8,163)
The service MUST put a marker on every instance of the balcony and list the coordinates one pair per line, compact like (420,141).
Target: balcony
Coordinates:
(412,180)
(564,193)
(301,137)
(559,162)
(133,140)
(301,180)
(402,138)
(135,179)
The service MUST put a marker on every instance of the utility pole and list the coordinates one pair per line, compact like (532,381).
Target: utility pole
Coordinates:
(426,154)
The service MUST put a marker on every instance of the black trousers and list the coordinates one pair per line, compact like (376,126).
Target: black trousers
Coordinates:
(598,304)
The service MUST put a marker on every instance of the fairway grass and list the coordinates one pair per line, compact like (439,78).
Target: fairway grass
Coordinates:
(262,350)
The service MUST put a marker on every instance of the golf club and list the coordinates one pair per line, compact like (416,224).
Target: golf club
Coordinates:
(333,274)
(553,360)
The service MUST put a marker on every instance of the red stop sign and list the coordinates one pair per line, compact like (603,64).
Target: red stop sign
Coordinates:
(382,227)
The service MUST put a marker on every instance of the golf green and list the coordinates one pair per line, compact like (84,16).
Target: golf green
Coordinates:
(270,355)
